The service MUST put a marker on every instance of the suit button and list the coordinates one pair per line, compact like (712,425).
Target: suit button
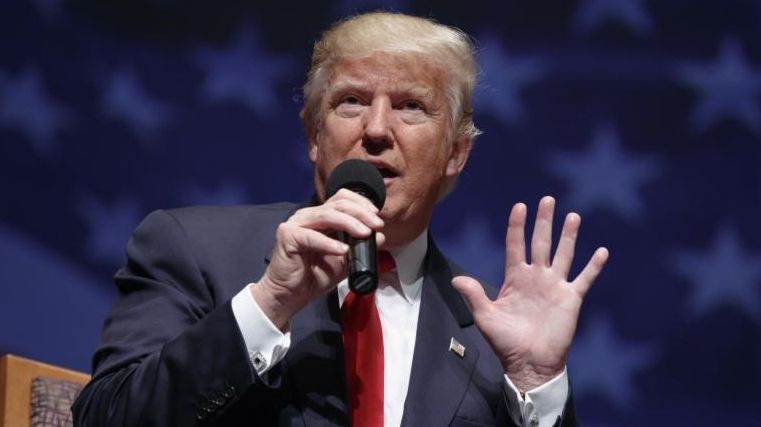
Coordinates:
(227,394)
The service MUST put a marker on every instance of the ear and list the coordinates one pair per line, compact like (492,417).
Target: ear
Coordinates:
(312,145)
(458,156)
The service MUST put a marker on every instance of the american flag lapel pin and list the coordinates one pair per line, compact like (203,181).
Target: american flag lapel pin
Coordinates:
(456,347)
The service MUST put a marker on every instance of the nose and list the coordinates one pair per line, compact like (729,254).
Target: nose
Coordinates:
(378,133)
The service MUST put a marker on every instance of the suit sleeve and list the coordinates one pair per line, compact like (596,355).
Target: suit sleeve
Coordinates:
(170,355)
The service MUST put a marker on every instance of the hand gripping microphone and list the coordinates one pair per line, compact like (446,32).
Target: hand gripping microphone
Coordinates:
(362,260)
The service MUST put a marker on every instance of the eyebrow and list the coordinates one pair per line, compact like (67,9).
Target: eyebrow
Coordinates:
(418,91)
(346,84)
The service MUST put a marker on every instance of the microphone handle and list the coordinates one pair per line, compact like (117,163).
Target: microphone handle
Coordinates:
(362,262)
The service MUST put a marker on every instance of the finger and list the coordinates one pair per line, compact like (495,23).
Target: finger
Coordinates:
(325,218)
(541,240)
(567,244)
(326,269)
(380,239)
(590,272)
(472,292)
(346,194)
(515,238)
(360,211)
(299,240)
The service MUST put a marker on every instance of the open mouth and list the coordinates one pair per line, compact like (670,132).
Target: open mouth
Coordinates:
(387,173)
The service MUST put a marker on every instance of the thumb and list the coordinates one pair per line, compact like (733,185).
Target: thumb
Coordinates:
(471,291)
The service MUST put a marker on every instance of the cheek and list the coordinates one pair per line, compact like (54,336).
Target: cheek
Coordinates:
(340,134)
(429,156)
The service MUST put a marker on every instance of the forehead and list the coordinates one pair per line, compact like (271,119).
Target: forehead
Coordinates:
(405,72)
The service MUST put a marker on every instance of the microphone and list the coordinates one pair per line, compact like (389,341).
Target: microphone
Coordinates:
(362,260)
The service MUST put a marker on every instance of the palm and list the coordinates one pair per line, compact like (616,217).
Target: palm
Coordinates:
(523,303)
(532,321)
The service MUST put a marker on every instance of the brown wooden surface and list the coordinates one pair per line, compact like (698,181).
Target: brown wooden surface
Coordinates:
(16,374)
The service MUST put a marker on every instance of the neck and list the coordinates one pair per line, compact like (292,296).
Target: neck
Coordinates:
(400,234)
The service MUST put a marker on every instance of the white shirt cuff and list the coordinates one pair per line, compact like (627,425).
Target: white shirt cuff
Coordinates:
(541,406)
(265,343)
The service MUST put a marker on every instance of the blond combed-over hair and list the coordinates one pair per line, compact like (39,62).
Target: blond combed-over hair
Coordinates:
(395,33)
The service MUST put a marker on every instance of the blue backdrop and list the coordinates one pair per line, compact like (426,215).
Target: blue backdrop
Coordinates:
(644,116)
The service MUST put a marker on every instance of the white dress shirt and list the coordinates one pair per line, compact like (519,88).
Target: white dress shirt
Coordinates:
(398,301)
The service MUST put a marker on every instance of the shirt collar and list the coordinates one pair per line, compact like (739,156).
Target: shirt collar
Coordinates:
(409,269)
(409,266)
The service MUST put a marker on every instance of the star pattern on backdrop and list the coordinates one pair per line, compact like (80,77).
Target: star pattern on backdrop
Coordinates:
(727,88)
(605,175)
(723,275)
(244,72)
(109,226)
(205,112)
(125,99)
(604,365)
(592,14)
(478,248)
(503,78)
(26,106)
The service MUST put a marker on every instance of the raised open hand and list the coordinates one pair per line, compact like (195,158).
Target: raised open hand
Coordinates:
(531,323)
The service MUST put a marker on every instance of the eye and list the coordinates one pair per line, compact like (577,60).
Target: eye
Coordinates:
(412,105)
(348,105)
(350,100)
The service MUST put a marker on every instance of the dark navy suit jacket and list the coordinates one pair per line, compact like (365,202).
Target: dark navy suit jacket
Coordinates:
(171,353)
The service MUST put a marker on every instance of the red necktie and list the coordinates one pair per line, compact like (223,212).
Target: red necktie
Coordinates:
(363,353)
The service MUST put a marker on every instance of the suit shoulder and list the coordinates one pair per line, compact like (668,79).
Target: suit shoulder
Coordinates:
(225,217)
(219,229)
(222,240)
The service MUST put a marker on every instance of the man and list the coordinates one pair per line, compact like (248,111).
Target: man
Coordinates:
(188,342)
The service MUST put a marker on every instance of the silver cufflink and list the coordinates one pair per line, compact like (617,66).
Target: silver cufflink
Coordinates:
(259,362)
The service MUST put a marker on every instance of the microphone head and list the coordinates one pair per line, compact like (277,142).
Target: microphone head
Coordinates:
(358,176)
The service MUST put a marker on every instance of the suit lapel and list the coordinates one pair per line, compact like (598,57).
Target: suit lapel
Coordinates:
(439,377)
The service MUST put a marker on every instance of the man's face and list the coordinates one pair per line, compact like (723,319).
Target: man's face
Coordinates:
(391,111)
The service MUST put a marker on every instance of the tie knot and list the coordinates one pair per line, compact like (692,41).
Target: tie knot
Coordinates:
(385,262)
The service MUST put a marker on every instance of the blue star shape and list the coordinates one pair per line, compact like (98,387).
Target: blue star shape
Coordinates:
(605,176)
(602,364)
(109,227)
(126,100)
(728,89)
(498,93)
(26,106)
(243,72)
(724,275)
(225,194)
(477,250)
(591,14)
